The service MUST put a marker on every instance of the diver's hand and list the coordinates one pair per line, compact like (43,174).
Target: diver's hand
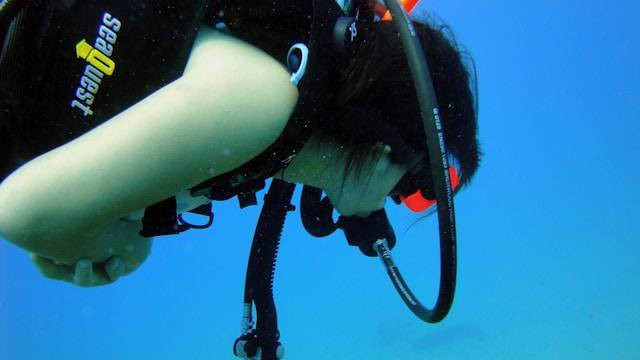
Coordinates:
(365,191)
(108,253)
(321,163)
(354,199)
(83,273)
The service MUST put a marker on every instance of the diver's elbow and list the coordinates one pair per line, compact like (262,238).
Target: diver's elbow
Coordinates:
(21,219)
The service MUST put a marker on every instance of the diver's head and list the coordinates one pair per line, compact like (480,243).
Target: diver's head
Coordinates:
(375,96)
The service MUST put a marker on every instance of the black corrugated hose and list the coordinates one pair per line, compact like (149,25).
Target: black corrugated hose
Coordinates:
(262,262)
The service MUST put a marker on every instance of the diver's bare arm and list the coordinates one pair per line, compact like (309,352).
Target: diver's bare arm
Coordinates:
(231,103)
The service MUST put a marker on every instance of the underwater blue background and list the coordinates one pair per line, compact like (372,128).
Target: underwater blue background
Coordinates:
(549,231)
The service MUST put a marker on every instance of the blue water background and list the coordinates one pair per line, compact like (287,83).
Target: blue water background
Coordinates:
(549,234)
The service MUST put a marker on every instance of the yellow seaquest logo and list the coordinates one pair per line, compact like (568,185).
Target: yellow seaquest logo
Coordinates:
(99,63)
(94,57)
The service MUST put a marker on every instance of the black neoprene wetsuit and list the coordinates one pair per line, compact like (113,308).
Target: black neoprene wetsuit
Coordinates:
(57,78)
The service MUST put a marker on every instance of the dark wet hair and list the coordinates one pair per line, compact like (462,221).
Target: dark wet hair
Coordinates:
(376,81)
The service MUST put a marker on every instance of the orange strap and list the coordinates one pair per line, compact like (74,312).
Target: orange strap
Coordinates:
(416,203)
(385,15)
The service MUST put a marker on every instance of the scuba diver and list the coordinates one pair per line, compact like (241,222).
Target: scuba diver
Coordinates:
(117,118)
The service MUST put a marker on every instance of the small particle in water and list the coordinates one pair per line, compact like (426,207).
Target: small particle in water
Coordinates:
(226,152)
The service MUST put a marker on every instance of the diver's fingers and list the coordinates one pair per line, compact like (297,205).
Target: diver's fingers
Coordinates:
(114,268)
(52,270)
(89,274)
(83,274)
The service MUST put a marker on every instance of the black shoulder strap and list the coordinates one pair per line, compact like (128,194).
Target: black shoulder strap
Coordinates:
(161,218)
